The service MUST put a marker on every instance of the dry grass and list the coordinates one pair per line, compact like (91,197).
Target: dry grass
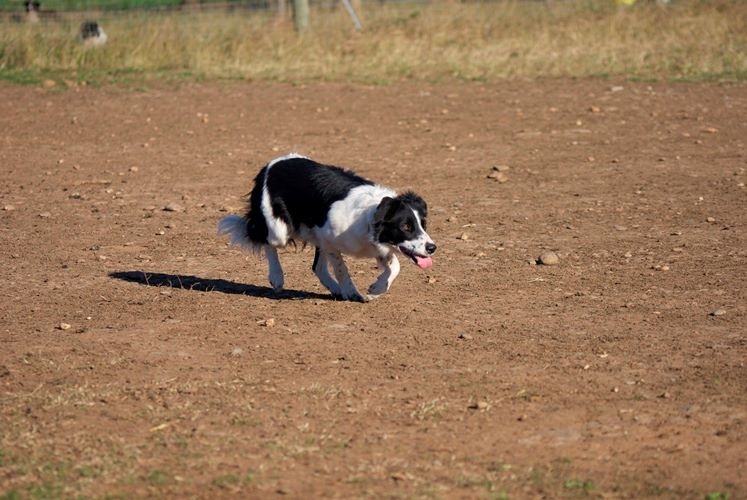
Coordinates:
(475,41)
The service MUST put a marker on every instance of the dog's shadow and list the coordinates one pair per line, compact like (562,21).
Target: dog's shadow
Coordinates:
(195,283)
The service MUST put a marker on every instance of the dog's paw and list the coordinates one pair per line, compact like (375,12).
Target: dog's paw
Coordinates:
(377,289)
(352,296)
(276,282)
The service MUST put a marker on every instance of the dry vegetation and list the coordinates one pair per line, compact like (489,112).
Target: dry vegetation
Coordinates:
(476,41)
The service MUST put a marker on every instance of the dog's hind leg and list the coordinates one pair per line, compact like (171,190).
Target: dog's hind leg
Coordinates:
(347,287)
(390,265)
(321,269)
(275,269)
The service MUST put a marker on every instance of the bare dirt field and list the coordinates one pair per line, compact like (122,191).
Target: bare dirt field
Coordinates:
(140,355)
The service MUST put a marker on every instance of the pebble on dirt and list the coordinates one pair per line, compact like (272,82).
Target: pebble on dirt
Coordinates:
(173,207)
(718,312)
(498,176)
(465,336)
(64,326)
(548,258)
(270,322)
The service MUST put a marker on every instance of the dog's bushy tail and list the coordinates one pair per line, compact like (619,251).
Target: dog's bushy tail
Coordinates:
(236,227)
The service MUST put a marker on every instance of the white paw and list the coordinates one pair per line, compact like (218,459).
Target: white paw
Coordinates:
(276,281)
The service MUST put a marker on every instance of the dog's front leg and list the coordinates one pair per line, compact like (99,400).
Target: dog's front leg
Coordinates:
(390,265)
(347,287)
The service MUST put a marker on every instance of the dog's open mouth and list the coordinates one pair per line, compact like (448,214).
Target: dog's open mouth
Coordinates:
(421,261)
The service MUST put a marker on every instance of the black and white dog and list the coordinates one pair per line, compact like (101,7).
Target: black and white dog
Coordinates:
(337,211)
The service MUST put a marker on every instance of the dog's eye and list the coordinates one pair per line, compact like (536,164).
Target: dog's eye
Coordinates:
(407,227)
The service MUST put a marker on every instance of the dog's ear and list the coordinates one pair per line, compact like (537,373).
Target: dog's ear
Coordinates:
(386,207)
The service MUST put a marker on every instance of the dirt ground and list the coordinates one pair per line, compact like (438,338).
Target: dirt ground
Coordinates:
(140,355)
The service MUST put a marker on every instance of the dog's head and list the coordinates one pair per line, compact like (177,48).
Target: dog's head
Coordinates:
(401,222)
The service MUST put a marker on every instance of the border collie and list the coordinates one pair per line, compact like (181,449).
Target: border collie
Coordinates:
(92,34)
(295,198)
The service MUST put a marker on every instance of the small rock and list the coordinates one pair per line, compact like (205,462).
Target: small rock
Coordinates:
(463,236)
(478,405)
(501,168)
(431,280)
(64,326)
(710,220)
(9,208)
(173,207)
(48,84)
(237,351)
(718,312)
(595,109)
(616,88)
(710,130)
(498,176)
(270,322)
(45,215)
(133,169)
(548,258)
(465,336)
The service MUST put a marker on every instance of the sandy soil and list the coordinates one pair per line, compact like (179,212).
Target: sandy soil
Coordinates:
(140,355)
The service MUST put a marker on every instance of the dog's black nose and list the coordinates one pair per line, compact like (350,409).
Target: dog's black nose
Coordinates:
(430,248)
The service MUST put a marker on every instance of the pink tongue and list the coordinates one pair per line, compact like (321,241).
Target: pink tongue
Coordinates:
(423,262)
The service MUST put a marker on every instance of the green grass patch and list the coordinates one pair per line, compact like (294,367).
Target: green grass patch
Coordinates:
(584,486)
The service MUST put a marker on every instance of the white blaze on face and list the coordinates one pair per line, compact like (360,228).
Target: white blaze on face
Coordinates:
(417,246)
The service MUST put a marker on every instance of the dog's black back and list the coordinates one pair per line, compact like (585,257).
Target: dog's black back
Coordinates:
(301,192)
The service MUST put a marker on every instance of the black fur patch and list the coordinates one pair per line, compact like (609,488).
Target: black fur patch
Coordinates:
(256,226)
(89,29)
(301,192)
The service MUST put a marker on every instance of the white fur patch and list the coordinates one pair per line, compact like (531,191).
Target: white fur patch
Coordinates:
(347,229)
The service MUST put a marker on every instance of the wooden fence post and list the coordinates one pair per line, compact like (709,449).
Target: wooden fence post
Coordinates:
(301,15)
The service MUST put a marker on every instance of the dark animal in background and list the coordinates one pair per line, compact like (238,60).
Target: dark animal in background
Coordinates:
(295,198)
(91,34)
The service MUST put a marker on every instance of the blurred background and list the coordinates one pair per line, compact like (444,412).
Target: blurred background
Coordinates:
(371,41)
